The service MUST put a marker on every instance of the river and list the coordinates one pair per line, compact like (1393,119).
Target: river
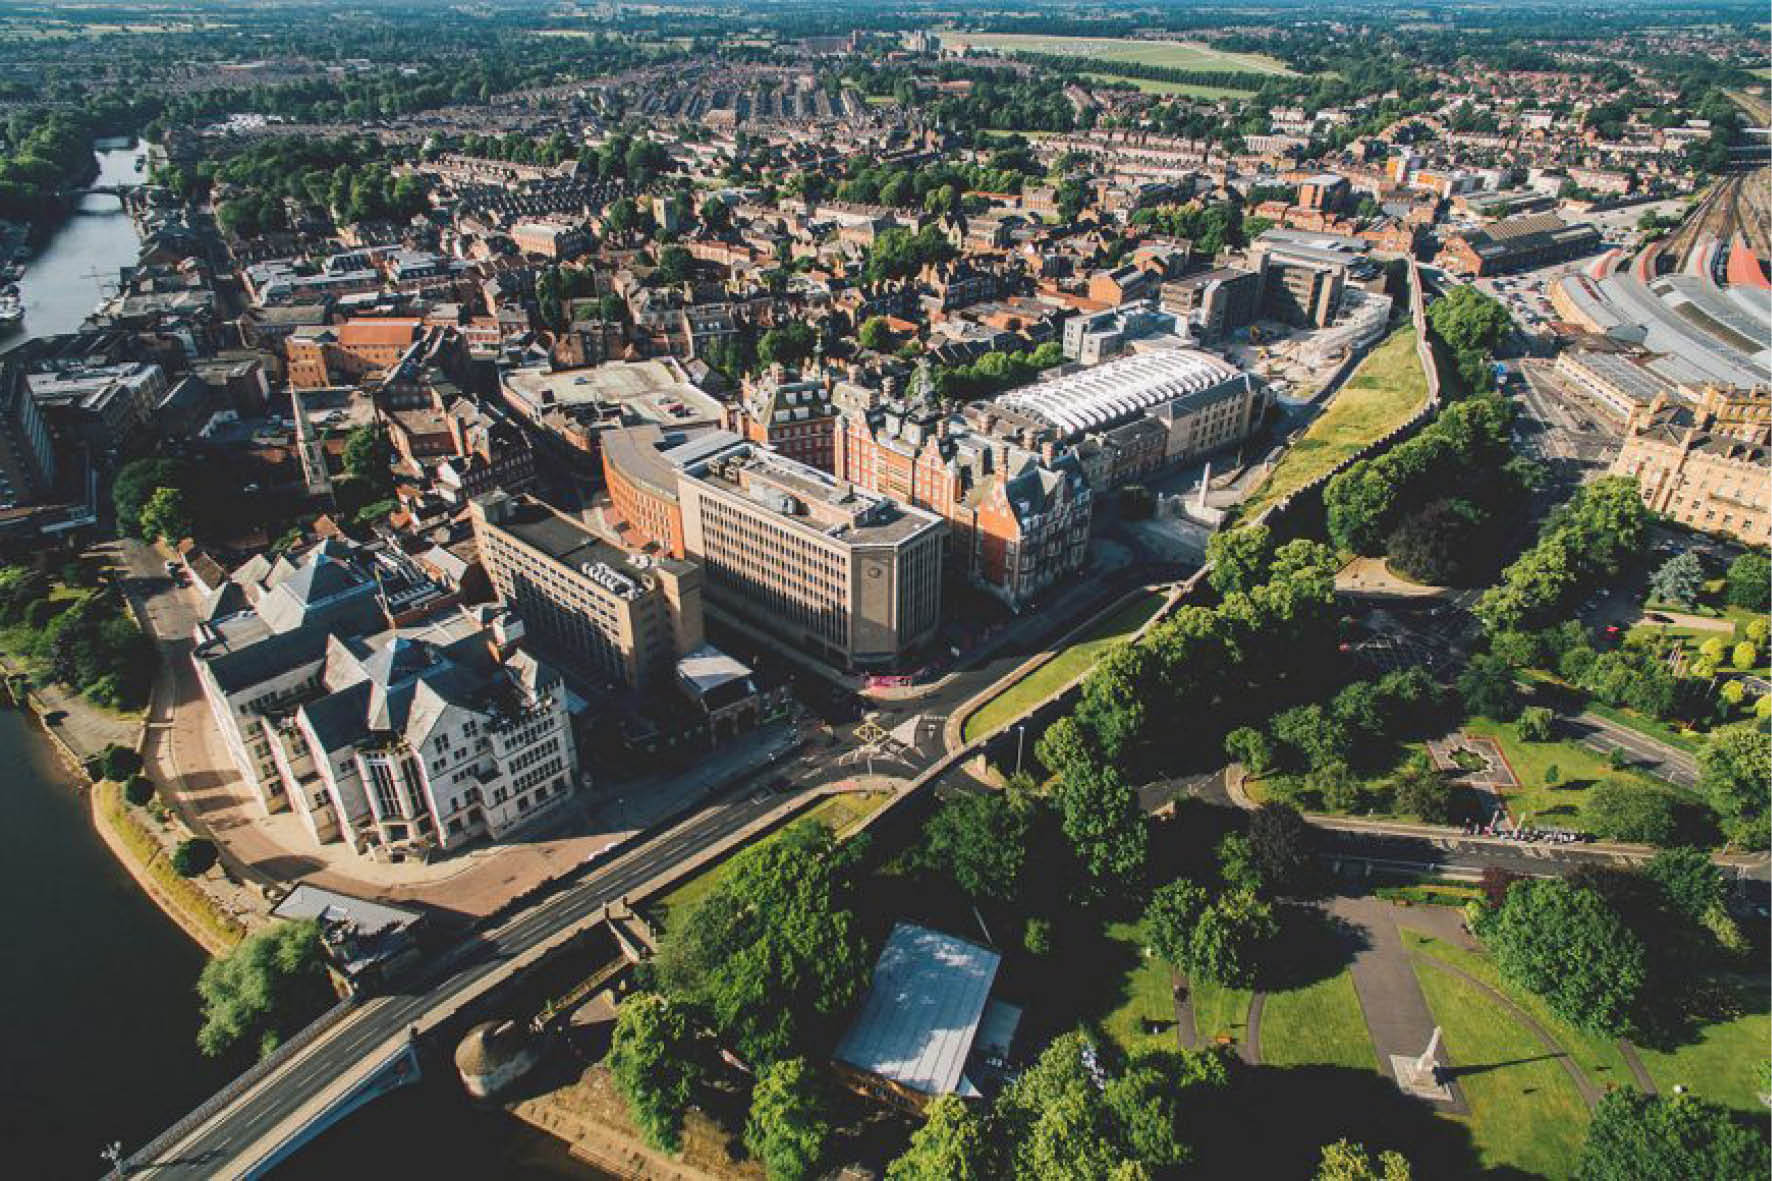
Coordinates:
(77,267)
(96,997)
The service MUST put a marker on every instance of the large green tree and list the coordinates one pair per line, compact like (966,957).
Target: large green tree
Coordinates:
(1735,771)
(1101,818)
(786,1128)
(272,983)
(655,1065)
(980,840)
(952,1145)
(1566,944)
(772,952)
(1638,1137)
(1750,581)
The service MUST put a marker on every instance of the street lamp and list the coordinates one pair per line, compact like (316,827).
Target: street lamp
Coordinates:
(112,1154)
(1020,735)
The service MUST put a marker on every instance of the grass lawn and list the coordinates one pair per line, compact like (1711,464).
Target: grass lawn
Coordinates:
(1318,1024)
(1598,1056)
(1724,1063)
(1063,668)
(1578,769)
(837,812)
(1219,1011)
(1383,392)
(1525,1114)
(1144,995)
(1182,55)
(1152,86)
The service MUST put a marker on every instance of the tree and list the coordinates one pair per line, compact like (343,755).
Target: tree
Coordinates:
(165,516)
(1535,724)
(1170,918)
(1312,733)
(1735,768)
(138,790)
(1065,746)
(772,952)
(1488,688)
(193,857)
(1744,656)
(1749,581)
(675,264)
(1638,1137)
(1101,818)
(1239,558)
(786,1129)
(1066,1118)
(367,457)
(272,982)
(979,840)
(1250,747)
(1566,944)
(1689,879)
(875,333)
(653,1063)
(1037,936)
(952,1145)
(1422,792)
(119,762)
(1229,938)
(1279,842)
(1680,579)
(1628,811)
(1346,1161)
(1336,785)
(137,481)
(1237,866)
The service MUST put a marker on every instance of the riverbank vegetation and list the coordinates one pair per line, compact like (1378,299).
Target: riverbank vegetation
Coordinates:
(269,986)
(135,842)
(78,635)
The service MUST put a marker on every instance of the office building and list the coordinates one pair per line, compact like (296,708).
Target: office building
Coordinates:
(624,618)
(843,574)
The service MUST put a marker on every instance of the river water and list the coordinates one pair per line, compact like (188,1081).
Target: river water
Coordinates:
(97,1011)
(70,274)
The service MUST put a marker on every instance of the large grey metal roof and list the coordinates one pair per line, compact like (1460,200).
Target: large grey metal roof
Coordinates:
(922,1012)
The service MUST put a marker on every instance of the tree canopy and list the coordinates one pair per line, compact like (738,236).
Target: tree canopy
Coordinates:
(772,953)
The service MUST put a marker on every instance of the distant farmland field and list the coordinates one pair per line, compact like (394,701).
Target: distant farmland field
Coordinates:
(1181,55)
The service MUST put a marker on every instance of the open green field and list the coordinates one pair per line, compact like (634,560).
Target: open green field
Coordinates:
(1381,395)
(1724,1063)
(1578,770)
(1061,669)
(838,812)
(1525,1113)
(1319,1024)
(1219,1011)
(1144,996)
(1152,86)
(1598,1056)
(1181,55)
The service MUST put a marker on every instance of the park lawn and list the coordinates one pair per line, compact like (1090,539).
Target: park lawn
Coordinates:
(1145,994)
(1578,770)
(1152,86)
(838,812)
(1181,55)
(1319,1024)
(1069,664)
(1381,395)
(1525,1113)
(1219,1011)
(1724,1063)
(1598,1056)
